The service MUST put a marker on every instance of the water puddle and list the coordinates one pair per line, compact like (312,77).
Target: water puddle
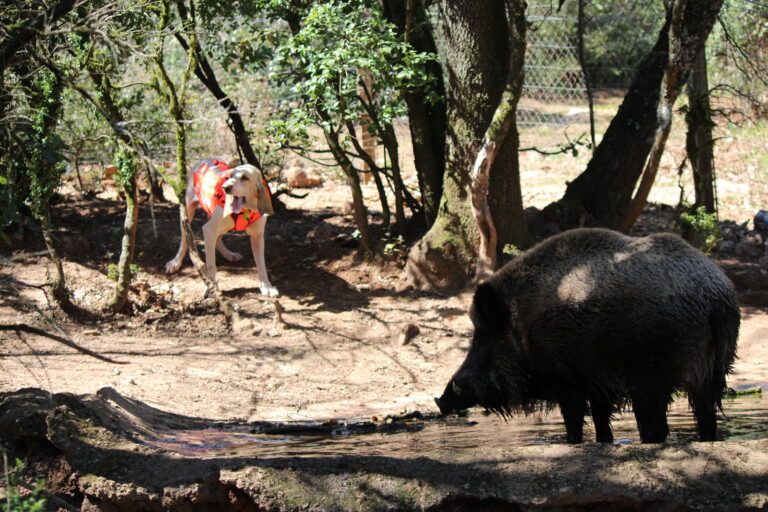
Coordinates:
(746,418)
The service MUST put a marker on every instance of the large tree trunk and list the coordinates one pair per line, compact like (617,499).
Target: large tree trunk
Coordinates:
(698,142)
(501,139)
(601,195)
(428,122)
(477,59)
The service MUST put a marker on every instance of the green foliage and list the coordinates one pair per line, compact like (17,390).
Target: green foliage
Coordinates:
(394,247)
(125,160)
(321,64)
(511,250)
(45,162)
(700,229)
(33,502)
(112,271)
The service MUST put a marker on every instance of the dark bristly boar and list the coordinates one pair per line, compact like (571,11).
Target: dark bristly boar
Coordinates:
(592,320)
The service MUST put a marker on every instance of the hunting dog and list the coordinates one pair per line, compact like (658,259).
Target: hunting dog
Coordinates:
(234,198)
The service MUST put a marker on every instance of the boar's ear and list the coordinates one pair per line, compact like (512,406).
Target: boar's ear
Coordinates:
(489,310)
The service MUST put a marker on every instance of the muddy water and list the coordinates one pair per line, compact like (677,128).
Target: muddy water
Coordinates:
(746,418)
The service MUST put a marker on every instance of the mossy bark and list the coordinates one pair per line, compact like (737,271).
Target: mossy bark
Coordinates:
(478,42)
(127,246)
(127,146)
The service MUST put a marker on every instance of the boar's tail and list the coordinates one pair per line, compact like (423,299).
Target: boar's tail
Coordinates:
(724,322)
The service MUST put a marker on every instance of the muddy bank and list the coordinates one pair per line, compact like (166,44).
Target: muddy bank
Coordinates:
(96,452)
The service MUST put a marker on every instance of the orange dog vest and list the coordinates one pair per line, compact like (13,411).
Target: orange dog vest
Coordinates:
(209,180)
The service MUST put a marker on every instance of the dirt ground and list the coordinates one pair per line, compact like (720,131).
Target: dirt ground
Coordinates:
(340,353)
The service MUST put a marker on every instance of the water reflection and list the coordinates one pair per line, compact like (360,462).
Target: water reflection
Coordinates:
(746,418)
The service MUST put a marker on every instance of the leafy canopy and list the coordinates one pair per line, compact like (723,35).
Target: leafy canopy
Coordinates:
(321,65)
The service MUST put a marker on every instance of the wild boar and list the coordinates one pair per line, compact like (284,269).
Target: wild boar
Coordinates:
(592,320)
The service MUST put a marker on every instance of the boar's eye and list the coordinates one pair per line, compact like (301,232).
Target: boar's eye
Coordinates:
(489,311)
(244,177)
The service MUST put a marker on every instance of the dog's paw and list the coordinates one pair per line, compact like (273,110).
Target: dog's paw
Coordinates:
(269,291)
(233,257)
(172,267)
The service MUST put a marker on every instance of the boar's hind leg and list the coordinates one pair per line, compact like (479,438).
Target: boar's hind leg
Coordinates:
(601,417)
(573,411)
(651,415)
(704,404)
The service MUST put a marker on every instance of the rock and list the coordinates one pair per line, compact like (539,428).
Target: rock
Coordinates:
(109,171)
(725,247)
(410,331)
(755,237)
(347,208)
(747,277)
(748,249)
(321,233)
(73,244)
(297,177)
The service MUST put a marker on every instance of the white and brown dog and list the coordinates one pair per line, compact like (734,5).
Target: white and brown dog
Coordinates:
(234,198)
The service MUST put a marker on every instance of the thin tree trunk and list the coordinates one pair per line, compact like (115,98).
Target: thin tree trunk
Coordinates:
(373,168)
(428,121)
(699,144)
(176,105)
(130,154)
(390,144)
(687,39)
(353,180)
(127,246)
(204,72)
(584,71)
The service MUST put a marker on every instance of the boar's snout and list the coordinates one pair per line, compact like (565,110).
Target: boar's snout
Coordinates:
(455,397)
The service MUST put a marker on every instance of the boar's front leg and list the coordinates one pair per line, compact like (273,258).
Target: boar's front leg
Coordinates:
(601,417)
(573,410)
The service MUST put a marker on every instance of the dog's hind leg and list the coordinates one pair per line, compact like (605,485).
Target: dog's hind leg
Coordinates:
(256,231)
(230,256)
(174,265)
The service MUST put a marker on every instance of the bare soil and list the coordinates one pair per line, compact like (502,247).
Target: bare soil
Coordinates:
(339,354)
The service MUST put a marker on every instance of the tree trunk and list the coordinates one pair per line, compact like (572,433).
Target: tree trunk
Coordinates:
(127,246)
(391,147)
(477,45)
(204,71)
(353,179)
(689,27)
(125,177)
(501,133)
(428,122)
(602,193)
(698,140)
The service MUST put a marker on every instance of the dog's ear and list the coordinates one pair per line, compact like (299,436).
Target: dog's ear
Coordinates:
(265,197)
(257,181)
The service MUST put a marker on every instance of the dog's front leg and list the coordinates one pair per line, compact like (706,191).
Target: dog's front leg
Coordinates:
(256,232)
(216,226)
